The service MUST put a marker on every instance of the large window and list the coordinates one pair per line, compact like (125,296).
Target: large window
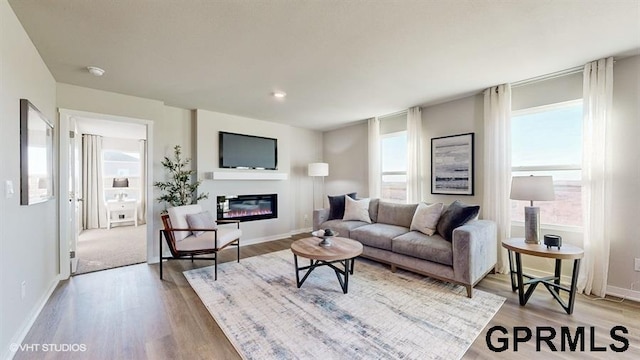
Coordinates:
(121,164)
(547,140)
(393,152)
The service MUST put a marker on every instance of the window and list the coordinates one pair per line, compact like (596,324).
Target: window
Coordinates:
(393,154)
(120,164)
(547,140)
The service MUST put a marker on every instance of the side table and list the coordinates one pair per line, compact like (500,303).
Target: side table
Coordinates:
(517,246)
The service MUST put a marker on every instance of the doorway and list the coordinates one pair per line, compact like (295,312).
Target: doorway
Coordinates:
(104,222)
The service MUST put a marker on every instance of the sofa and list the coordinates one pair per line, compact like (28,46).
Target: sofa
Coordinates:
(465,260)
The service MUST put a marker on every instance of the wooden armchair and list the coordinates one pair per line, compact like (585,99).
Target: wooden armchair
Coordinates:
(183,243)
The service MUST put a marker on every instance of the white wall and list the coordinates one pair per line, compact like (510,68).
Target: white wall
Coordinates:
(28,234)
(346,152)
(451,118)
(292,205)
(625,240)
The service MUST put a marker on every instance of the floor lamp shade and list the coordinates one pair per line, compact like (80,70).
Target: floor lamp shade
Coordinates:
(532,188)
(318,169)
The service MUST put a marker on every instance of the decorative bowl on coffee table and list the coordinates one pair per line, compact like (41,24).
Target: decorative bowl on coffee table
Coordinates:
(326,238)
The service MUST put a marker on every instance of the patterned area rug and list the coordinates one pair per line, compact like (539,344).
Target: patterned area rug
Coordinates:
(384,315)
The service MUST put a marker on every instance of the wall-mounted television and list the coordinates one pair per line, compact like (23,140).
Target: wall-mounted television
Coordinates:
(238,151)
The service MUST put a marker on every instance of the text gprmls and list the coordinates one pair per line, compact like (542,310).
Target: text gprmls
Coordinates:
(568,340)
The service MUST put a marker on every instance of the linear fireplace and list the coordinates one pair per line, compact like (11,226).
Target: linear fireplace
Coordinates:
(247,207)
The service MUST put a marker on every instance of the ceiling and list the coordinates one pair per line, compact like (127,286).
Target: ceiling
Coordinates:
(339,61)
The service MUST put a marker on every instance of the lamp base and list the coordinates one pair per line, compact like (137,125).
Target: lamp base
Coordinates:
(531,225)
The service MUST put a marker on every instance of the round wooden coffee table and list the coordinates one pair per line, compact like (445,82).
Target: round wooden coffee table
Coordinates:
(342,251)
(552,283)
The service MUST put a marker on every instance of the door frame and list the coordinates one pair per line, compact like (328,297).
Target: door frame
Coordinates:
(63,181)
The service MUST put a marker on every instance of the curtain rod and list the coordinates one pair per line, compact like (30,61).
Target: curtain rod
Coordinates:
(554,75)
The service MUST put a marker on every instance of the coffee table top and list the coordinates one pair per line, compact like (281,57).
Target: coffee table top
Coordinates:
(340,249)
(565,252)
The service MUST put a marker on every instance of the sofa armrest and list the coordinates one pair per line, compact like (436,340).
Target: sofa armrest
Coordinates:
(474,250)
(319,216)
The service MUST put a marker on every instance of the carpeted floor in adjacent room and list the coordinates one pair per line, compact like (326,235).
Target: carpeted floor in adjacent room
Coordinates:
(101,249)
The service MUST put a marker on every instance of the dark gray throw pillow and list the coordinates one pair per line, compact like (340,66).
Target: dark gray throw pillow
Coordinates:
(457,214)
(336,205)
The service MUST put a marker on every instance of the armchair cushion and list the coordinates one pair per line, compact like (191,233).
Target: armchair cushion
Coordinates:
(202,220)
(207,240)
(178,217)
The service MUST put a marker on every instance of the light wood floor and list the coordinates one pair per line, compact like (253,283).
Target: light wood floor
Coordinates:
(128,313)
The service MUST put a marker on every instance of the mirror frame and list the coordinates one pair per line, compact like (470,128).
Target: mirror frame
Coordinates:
(41,189)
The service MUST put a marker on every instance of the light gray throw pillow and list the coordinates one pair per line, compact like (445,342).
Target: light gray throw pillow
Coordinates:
(356,210)
(426,218)
(203,220)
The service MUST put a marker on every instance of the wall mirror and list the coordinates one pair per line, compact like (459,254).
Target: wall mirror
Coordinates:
(36,155)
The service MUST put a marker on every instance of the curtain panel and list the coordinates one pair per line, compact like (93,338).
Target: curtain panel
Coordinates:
(414,155)
(497,165)
(94,211)
(596,175)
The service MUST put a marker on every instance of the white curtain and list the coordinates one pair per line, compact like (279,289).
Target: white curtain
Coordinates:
(374,158)
(142,205)
(596,174)
(94,211)
(497,165)
(414,155)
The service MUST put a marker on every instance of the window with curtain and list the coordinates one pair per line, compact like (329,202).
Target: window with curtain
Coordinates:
(547,140)
(393,154)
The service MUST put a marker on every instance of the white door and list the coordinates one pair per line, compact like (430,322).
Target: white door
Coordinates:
(74,193)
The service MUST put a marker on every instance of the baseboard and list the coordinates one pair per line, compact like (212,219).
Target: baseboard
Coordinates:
(623,293)
(18,338)
(301,231)
(259,240)
(611,290)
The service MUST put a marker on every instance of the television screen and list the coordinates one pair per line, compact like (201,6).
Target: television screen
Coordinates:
(247,152)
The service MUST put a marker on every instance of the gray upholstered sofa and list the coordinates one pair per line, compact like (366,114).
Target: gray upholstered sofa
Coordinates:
(465,260)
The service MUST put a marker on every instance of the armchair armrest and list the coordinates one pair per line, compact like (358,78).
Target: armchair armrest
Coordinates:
(229,222)
(474,250)
(319,216)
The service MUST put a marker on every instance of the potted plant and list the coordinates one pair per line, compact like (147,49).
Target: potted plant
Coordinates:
(179,190)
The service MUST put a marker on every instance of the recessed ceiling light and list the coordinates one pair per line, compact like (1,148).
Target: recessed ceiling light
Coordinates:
(279,94)
(95,71)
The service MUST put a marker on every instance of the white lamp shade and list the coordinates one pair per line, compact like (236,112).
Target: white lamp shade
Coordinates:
(532,188)
(318,169)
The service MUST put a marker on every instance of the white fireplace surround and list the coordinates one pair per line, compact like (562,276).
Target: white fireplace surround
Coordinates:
(245,175)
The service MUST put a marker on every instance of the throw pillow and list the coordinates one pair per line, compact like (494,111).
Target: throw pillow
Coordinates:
(336,206)
(356,210)
(203,220)
(426,218)
(457,214)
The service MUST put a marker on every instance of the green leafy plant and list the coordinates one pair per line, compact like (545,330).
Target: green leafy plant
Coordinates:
(179,190)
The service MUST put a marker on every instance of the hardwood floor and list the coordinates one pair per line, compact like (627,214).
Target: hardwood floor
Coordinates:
(128,313)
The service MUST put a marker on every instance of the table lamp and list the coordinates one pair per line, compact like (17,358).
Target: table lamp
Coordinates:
(532,188)
(120,183)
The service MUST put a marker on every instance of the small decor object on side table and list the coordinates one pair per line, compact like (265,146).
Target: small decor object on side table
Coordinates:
(553,240)
(326,236)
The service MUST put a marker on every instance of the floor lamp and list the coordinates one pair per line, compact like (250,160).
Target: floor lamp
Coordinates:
(315,170)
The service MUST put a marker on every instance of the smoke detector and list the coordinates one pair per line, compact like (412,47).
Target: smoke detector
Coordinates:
(95,71)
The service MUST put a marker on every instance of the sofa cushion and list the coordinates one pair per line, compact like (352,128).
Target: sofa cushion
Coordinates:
(377,235)
(396,214)
(373,209)
(178,217)
(457,214)
(342,227)
(356,210)
(336,205)
(432,248)
(203,220)
(426,218)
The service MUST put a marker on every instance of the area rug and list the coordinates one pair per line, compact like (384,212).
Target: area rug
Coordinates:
(384,316)
(101,249)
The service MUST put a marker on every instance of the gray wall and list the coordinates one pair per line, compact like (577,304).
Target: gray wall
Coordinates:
(346,152)
(28,234)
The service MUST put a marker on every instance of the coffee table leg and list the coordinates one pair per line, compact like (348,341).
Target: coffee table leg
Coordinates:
(352,262)
(295,260)
(346,274)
